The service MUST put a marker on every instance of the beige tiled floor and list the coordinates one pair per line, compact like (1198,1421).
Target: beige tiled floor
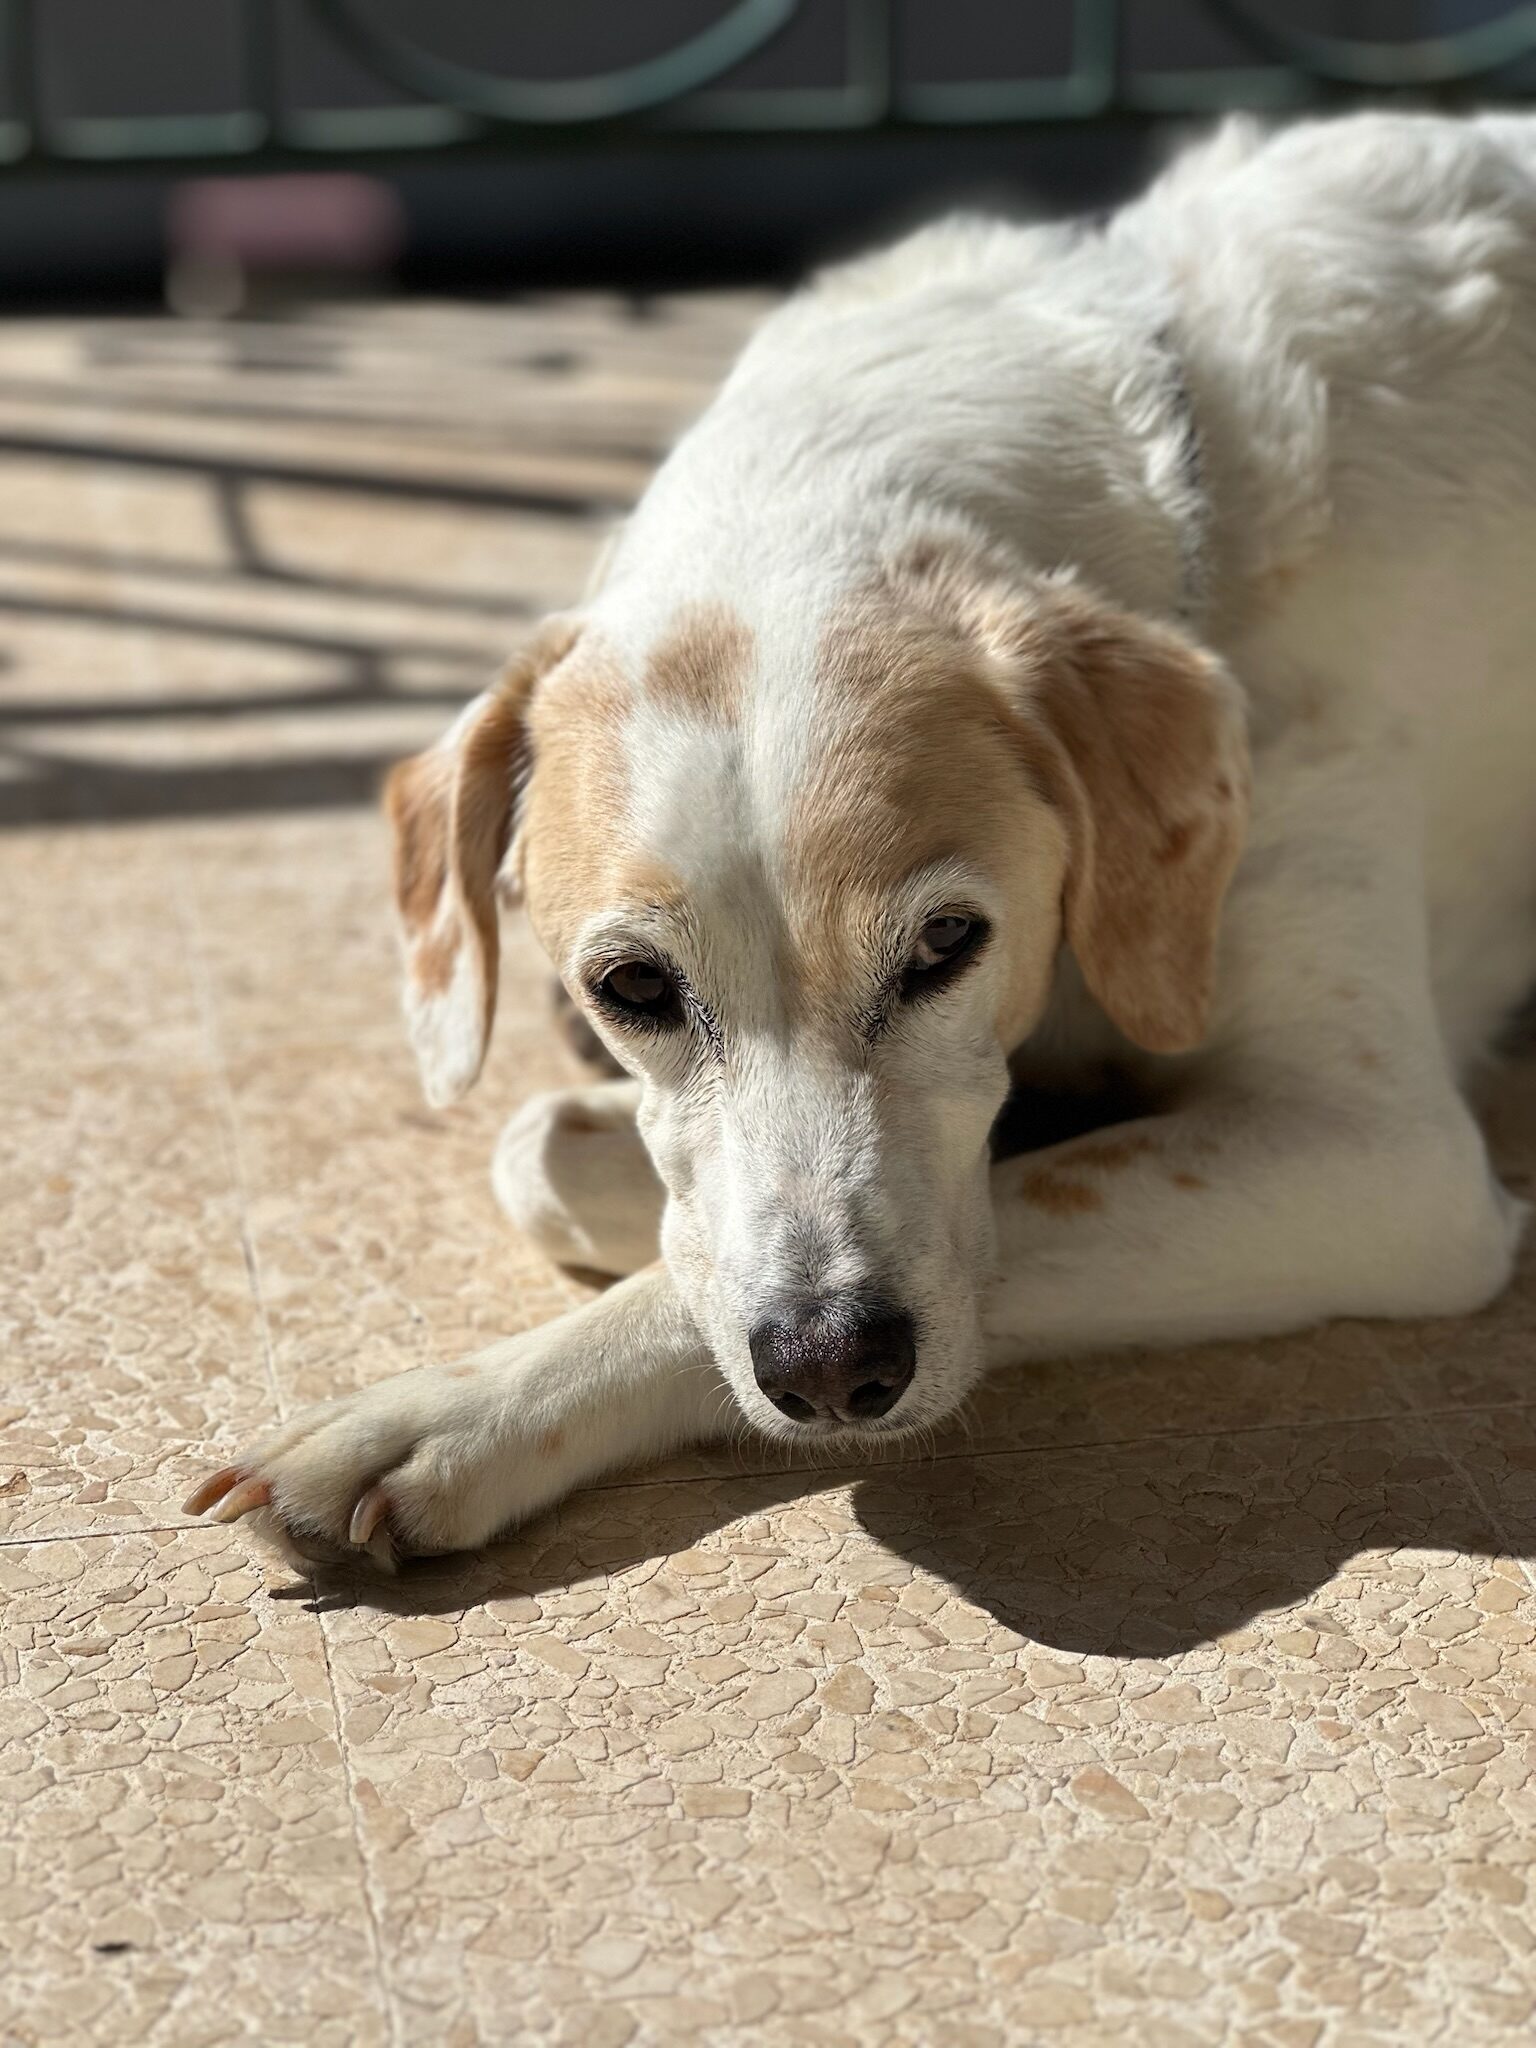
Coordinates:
(1183,1701)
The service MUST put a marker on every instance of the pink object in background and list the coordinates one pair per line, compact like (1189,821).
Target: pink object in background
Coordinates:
(232,240)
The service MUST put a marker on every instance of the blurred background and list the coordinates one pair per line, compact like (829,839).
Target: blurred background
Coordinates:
(670,141)
(345,326)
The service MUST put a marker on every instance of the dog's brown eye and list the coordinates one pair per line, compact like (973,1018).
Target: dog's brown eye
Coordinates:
(943,946)
(641,988)
(941,939)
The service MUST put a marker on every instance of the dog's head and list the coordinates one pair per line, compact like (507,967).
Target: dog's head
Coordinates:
(810,881)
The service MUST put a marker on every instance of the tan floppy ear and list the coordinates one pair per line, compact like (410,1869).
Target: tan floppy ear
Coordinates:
(453,811)
(1138,735)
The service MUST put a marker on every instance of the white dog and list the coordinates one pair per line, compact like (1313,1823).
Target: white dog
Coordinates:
(905,747)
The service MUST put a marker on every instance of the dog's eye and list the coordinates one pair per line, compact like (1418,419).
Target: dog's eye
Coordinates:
(943,943)
(941,939)
(640,988)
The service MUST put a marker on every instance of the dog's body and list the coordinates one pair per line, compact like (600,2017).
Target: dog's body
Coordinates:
(906,739)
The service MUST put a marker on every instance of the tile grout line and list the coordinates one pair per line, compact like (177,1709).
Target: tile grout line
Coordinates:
(639,1482)
(197,966)
(1488,1504)
(1100,1443)
(187,916)
(196,963)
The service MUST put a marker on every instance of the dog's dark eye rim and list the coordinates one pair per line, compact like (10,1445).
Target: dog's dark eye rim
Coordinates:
(948,950)
(638,989)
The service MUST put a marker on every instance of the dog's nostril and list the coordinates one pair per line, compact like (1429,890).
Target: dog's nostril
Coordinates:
(795,1406)
(875,1397)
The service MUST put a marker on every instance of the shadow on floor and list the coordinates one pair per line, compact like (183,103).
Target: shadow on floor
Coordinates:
(1136,1550)
(52,787)
(99,792)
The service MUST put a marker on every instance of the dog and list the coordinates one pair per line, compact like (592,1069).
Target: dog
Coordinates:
(1087,668)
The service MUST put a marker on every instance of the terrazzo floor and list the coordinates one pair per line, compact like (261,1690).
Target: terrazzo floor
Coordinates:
(1171,1700)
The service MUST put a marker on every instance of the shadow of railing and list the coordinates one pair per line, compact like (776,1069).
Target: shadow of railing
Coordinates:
(42,785)
(99,792)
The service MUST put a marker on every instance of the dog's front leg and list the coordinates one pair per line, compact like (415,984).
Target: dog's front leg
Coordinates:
(1322,1162)
(445,1457)
(1244,1215)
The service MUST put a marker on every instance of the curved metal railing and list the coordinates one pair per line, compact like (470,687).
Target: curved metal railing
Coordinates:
(446,104)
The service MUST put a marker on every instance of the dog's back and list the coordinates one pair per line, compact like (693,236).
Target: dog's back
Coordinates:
(1358,308)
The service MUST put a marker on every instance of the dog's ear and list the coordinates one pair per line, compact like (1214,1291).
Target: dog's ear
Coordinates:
(452,810)
(1138,735)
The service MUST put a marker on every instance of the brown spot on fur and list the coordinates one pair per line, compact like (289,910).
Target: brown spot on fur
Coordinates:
(1188,1180)
(432,961)
(1275,584)
(452,813)
(551,1443)
(915,766)
(1057,1195)
(1369,1059)
(579,1123)
(1176,843)
(1134,734)
(700,668)
(462,1372)
(416,799)
(570,841)
(1111,1153)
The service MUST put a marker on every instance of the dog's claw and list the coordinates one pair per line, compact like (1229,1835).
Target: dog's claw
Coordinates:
(250,1493)
(208,1490)
(366,1517)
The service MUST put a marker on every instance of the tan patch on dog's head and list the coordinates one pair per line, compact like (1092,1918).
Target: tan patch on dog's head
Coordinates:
(531,790)
(700,667)
(570,837)
(914,767)
(573,851)
(1136,735)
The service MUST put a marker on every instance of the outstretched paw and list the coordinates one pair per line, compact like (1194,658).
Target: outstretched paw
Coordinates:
(411,1466)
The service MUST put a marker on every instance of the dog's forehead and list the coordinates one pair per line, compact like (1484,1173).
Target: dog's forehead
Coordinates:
(781,767)
(716,743)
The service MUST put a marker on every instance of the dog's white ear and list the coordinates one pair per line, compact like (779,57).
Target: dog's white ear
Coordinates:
(1138,734)
(452,810)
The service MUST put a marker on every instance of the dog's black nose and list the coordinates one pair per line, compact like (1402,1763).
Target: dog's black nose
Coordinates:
(841,1359)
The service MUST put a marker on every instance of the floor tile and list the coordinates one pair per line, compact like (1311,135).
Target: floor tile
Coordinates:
(133,1343)
(1173,1738)
(179,1857)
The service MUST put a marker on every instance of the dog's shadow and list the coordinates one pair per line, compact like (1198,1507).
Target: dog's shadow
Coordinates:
(1146,1548)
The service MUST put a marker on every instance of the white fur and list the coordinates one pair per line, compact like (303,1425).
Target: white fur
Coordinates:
(1347,312)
